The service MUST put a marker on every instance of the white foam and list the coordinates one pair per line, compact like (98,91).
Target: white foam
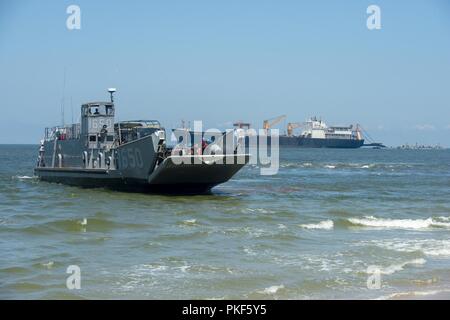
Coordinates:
(330,166)
(48,265)
(24,177)
(443,252)
(153,268)
(399,267)
(429,247)
(184,268)
(441,222)
(249,251)
(272,289)
(190,221)
(260,210)
(326,225)
(371,221)
(412,294)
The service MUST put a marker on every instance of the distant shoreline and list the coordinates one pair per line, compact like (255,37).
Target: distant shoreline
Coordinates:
(388,148)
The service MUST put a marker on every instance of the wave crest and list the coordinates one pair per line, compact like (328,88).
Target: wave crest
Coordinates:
(399,267)
(370,221)
(326,225)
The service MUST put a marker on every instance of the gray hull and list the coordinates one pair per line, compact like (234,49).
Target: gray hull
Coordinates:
(168,177)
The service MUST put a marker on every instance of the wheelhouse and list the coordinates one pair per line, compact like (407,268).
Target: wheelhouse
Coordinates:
(128,131)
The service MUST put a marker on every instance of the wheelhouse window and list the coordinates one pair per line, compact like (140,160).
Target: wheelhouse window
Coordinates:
(94,109)
(100,110)
(109,109)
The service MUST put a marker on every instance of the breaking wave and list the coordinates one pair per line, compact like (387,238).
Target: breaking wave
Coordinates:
(386,167)
(24,177)
(189,222)
(272,289)
(326,225)
(415,294)
(370,221)
(428,247)
(399,267)
(296,165)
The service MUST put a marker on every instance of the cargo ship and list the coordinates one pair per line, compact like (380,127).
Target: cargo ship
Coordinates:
(316,134)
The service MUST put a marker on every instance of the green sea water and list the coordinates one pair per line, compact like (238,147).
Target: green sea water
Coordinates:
(309,232)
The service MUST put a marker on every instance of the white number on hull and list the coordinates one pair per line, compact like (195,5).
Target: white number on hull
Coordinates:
(131,158)
(97,124)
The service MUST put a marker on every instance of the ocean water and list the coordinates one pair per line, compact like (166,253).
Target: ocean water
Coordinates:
(310,232)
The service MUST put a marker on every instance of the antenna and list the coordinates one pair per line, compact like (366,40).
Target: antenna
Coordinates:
(62,98)
(111,92)
(71,109)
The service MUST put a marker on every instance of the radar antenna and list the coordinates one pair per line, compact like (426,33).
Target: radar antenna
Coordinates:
(111,92)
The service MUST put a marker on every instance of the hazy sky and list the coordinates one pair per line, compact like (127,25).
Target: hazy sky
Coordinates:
(222,61)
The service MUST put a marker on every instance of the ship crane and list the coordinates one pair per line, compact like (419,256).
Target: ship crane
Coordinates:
(293,125)
(371,142)
(267,124)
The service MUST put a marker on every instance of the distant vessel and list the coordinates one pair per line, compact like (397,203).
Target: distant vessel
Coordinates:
(128,155)
(316,134)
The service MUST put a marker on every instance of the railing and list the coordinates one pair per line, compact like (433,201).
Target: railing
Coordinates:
(63,132)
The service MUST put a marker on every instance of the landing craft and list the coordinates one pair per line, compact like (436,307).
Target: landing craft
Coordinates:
(129,155)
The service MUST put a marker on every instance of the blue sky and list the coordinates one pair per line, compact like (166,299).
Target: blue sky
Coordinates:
(222,61)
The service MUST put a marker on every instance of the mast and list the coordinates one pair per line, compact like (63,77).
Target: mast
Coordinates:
(111,93)
(62,98)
